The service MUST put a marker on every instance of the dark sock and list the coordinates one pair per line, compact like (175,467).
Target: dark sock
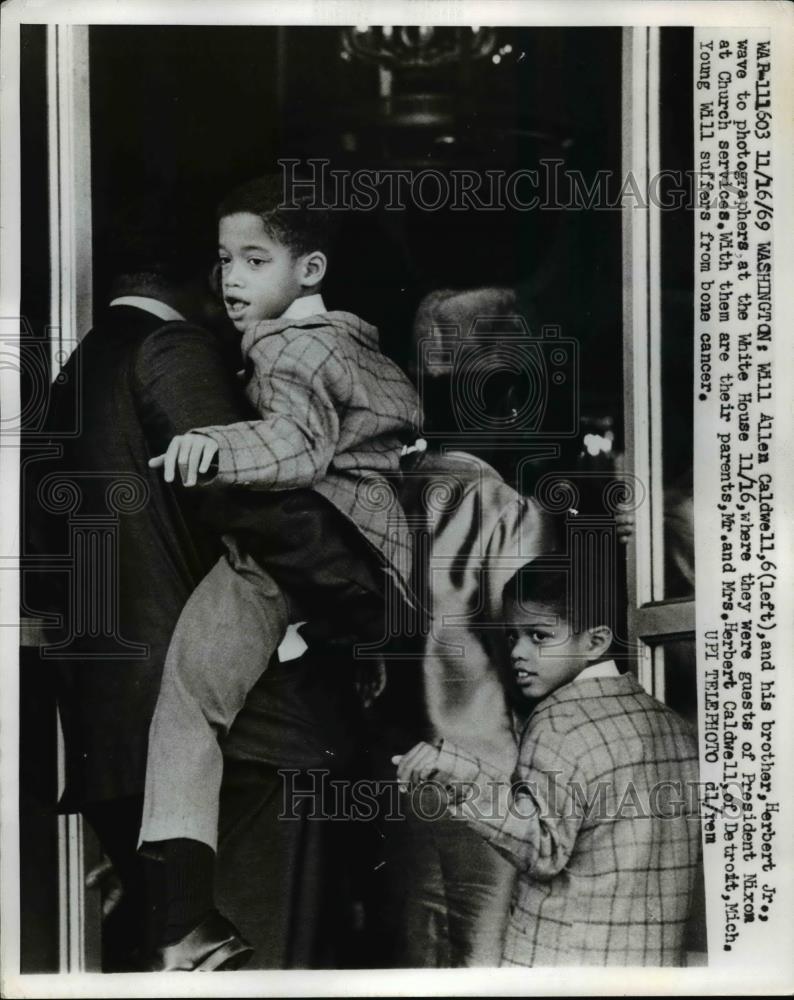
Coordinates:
(180,875)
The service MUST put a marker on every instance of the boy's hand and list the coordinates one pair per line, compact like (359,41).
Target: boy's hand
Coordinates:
(192,452)
(419,764)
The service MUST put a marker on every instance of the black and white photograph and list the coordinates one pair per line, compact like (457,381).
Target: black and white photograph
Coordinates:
(394,447)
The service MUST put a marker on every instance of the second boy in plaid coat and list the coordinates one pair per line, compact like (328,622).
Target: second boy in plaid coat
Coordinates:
(597,815)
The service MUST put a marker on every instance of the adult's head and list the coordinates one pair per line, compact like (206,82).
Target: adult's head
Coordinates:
(159,251)
(470,388)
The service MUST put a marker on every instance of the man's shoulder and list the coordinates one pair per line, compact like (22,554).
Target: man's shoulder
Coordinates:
(117,339)
(120,323)
(458,481)
(183,356)
(464,473)
(119,327)
(176,333)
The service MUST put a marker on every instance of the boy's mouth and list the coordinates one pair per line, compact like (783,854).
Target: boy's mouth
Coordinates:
(522,675)
(234,306)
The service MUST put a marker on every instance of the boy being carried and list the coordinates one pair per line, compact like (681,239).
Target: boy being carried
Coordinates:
(595,816)
(335,413)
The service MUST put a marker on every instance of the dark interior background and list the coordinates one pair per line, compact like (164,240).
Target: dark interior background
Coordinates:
(216,106)
(179,115)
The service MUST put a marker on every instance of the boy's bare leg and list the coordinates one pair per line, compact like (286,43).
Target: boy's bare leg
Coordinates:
(226,635)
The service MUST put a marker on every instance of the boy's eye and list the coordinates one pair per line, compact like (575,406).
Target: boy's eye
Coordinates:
(224,259)
(512,638)
(256,261)
(538,636)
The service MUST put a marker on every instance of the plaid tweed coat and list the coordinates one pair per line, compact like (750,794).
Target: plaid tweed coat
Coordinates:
(606,855)
(335,414)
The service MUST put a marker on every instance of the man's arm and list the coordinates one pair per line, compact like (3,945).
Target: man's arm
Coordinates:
(522,532)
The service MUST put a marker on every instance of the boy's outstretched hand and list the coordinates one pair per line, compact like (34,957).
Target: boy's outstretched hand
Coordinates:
(192,452)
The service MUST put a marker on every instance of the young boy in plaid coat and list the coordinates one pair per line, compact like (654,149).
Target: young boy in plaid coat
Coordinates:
(597,814)
(334,415)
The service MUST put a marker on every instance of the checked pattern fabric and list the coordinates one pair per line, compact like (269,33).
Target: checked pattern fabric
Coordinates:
(335,413)
(599,819)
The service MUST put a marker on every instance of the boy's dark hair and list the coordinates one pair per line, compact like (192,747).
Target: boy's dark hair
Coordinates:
(288,217)
(576,594)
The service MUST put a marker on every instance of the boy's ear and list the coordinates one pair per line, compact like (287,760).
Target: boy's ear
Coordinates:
(599,641)
(313,268)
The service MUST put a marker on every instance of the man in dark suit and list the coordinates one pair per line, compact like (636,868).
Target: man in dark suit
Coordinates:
(146,373)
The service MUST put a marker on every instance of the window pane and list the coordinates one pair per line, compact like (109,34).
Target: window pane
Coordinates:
(675,678)
(680,678)
(676,363)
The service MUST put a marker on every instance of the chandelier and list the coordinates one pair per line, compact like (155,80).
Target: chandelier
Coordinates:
(416,47)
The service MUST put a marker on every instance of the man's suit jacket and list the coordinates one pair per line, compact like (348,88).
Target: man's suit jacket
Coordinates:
(141,382)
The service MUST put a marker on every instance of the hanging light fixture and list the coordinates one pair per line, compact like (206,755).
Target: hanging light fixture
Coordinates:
(416,47)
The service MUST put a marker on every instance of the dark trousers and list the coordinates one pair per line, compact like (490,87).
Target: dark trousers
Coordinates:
(284,871)
(284,867)
(116,824)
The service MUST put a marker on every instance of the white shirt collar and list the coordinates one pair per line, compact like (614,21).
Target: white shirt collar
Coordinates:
(154,306)
(306,305)
(606,668)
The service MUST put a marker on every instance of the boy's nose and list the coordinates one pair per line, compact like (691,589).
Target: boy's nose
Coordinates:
(521,650)
(518,652)
(231,274)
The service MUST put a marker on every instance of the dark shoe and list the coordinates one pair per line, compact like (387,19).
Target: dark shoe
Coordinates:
(214,946)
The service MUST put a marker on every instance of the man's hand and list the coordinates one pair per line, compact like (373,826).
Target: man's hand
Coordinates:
(192,452)
(103,877)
